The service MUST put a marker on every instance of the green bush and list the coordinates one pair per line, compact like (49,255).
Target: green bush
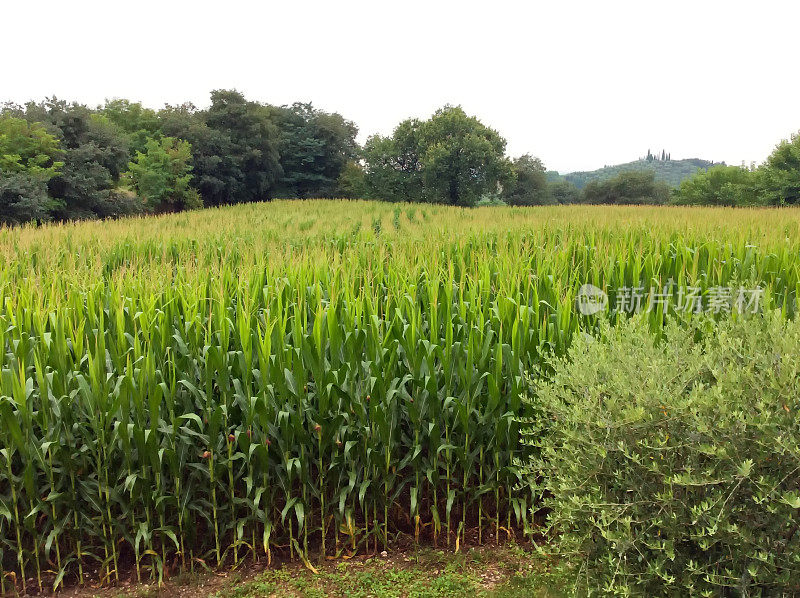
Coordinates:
(627,188)
(719,186)
(23,198)
(673,467)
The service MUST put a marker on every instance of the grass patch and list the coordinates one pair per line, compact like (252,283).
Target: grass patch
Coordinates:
(496,573)
(490,572)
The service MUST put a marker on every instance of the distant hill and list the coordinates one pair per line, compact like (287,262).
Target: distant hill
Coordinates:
(670,171)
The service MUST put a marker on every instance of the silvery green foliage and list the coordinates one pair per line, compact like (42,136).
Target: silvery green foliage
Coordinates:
(673,467)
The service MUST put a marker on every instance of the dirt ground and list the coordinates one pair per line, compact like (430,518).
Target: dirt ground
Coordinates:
(497,571)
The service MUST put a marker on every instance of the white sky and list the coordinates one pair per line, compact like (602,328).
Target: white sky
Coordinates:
(580,84)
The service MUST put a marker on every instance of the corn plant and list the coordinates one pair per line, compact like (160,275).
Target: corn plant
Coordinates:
(202,389)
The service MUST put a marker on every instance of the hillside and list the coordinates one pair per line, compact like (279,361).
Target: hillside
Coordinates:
(671,172)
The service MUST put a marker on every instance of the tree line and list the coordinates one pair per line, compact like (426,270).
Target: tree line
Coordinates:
(63,160)
(776,182)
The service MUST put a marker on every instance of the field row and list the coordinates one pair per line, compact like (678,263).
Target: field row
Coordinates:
(204,387)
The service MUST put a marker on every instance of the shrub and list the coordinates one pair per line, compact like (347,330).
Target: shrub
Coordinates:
(120,202)
(563,192)
(719,186)
(27,149)
(628,187)
(24,199)
(673,468)
(162,175)
(530,185)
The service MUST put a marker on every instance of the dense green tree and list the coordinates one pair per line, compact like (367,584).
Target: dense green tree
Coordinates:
(83,185)
(28,160)
(529,186)
(181,121)
(161,175)
(76,125)
(563,192)
(27,148)
(314,148)
(240,160)
(462,159)
(234,147)
(720,186)
(187,122)
(394,166)
(95,153)
(451,158)
(352,182)
(631,187)
(780,175)
(139,124)
(24,198)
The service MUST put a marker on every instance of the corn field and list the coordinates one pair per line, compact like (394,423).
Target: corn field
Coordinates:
(306,380)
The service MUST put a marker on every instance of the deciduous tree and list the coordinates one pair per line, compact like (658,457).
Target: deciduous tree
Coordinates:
(529,186)
(563,192)
(27,148)
(162,174)
(780,175)
(139,124)
(462,159)
(314,148)
(240,160)
(23,198)
(720,186)
(451,158)
(394,166)
(95,153)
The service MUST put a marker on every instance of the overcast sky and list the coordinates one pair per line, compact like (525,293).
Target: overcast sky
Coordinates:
(579,84)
